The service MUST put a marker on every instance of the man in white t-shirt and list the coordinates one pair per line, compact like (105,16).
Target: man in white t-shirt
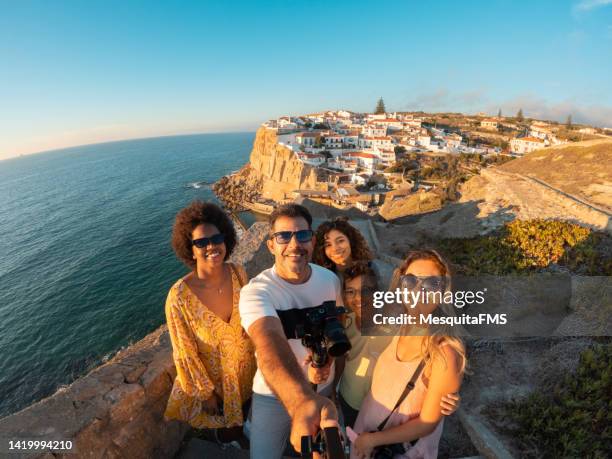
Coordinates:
(283,399)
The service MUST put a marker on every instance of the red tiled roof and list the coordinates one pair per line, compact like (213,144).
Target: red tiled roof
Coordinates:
(363,155)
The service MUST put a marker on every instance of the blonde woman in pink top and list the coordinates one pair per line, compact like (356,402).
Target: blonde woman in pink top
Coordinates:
(416,424)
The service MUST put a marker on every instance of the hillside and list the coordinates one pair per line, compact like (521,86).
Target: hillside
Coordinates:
(582,169)
(579,174)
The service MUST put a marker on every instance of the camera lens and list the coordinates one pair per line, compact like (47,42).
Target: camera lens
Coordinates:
(337,341)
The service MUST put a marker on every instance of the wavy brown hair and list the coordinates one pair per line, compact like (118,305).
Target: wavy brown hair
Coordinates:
(198,213)
(359,247)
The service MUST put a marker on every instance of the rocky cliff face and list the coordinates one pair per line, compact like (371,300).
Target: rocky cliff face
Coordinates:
(273,172)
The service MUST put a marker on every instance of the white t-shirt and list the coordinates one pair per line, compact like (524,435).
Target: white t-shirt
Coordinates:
(267,292)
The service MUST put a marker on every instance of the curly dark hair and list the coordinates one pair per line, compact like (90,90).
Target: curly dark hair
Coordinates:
(197,213)
(359,247)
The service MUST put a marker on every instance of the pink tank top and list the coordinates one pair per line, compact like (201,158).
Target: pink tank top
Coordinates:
(388,382)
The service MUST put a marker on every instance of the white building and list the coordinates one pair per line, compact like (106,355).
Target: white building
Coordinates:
(488,124)
(366,160)
(373,130)
(523,145)
(308,139)
(453,141)
(333,140)
(539,132)
(387,155)
(312,159)
(412,124)
(390,123)
(352,138)
(359,179)
(373,142)
(423,141)
(587,130)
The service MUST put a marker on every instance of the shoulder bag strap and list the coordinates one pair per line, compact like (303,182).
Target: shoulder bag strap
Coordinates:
(407,390)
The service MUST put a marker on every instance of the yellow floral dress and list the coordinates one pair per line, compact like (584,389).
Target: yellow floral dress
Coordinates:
(210,355)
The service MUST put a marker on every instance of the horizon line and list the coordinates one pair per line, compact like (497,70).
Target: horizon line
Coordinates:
(128,139)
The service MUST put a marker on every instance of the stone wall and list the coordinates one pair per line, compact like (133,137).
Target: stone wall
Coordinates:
(116,411)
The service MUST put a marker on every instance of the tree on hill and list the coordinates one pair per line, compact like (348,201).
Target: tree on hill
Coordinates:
(380,107)
(568,123)
(499,113)
(519,115)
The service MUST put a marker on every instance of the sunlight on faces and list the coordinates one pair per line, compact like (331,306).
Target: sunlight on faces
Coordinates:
(291,260)
(356,291)
(337,247)
(212,254)
(423,268)
(352,297)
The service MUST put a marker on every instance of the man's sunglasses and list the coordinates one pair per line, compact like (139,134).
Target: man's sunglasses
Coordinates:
(430,283)
(204,241)
(284,237)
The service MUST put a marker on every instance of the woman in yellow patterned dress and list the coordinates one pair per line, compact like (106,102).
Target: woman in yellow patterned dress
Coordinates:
(214,357)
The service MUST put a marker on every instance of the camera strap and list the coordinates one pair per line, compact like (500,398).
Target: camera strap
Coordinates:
(407,390)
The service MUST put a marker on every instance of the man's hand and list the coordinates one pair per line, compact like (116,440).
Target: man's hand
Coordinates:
(309,417)
(318,375)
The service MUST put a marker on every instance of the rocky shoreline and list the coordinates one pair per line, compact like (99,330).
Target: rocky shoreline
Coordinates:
(234,190)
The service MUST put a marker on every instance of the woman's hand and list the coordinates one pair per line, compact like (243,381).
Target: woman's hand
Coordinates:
(211,404)
(364,445)
(450,403)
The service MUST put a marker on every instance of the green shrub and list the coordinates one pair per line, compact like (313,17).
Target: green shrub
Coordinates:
(530,246)
(574,419)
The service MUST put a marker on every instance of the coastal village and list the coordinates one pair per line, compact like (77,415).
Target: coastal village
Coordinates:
(394,165)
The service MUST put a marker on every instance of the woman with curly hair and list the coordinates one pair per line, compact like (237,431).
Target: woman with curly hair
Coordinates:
(403,413)
(339,245)
(214,358)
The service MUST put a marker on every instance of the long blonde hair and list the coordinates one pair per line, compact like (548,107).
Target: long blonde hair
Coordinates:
(443,335)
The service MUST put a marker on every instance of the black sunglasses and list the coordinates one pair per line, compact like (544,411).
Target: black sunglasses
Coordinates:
(430,283)
(284,237)
(204,241)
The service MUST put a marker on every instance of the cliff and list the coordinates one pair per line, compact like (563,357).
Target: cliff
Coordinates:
(273,173)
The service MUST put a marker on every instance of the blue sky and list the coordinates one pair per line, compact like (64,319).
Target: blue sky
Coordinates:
(83,72)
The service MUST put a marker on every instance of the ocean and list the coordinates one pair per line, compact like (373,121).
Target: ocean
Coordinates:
(85,255)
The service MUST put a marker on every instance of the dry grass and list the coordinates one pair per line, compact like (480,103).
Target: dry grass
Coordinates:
(583,169)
